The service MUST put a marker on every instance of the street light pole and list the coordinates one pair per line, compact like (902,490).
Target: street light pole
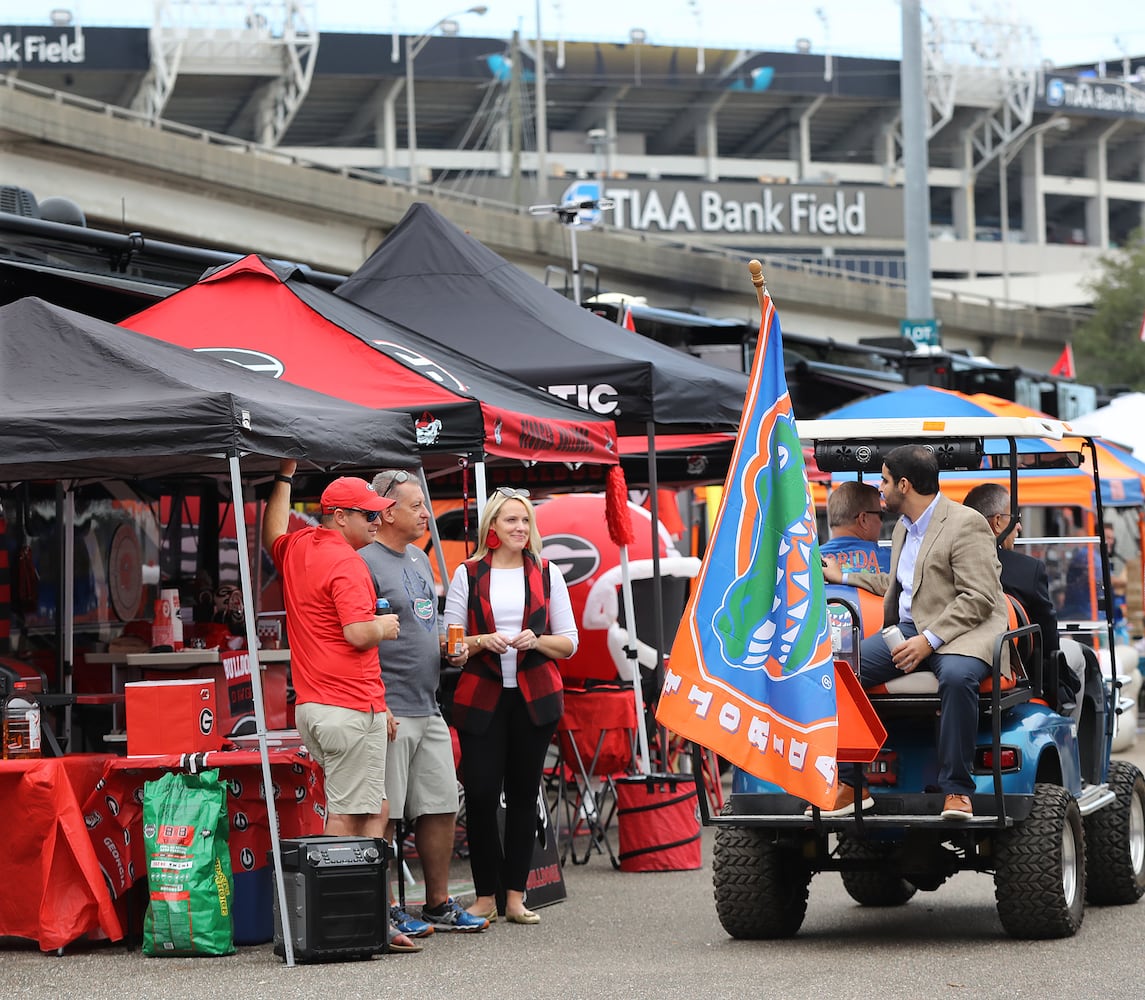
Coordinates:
(1004,160)
(414,45)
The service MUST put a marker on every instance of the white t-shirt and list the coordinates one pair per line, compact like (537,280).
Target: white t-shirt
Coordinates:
(507,599)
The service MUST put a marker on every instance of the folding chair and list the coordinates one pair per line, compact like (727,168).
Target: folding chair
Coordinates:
(596,738)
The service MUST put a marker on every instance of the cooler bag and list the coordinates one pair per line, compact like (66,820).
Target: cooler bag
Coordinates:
(659,822)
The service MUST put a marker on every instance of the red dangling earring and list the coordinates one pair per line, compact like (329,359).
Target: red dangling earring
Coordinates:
(492,540)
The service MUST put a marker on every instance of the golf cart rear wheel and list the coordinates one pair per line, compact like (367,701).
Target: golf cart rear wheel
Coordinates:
(876,885)
(1039,881)
(1115,840)
(760,887)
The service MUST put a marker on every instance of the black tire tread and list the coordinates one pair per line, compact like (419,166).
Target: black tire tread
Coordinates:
(1028,874)
(760,888)
(1112,878)
(875,886)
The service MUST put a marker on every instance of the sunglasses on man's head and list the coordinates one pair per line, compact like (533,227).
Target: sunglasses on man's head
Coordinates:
(510,492)
(398,477)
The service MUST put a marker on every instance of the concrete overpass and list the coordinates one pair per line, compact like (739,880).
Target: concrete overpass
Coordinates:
(168,181)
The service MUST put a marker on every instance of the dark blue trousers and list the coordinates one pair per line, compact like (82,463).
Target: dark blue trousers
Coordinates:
(958,680)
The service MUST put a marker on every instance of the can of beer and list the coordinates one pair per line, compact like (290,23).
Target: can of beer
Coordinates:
(455,640)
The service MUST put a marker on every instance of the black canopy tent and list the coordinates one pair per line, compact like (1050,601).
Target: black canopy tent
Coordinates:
(82,399)
(442,282)
(445,284)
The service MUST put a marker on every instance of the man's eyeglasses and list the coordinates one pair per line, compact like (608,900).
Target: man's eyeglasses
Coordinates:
(371,515)
(398,477)
(510,492)
(873,513)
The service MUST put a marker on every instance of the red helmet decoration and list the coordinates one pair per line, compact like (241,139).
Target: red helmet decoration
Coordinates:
(575,537)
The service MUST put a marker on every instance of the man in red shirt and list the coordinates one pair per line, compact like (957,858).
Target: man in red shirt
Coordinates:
(330,601)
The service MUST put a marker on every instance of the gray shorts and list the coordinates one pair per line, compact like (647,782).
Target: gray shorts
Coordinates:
(350,747)
(420,777)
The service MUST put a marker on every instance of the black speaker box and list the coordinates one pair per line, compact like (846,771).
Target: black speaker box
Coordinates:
(335,897)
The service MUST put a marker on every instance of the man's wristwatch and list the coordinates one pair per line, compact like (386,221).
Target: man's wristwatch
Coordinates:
(480,642)
(280,478)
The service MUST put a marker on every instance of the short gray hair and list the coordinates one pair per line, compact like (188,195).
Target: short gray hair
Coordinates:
(989,499)
(384,481)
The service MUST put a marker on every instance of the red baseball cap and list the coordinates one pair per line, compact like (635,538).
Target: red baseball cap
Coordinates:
(349,492)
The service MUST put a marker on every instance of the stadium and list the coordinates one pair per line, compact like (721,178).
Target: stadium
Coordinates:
(706,157)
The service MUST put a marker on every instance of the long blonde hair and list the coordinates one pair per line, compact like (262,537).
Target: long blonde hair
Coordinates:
(497,500)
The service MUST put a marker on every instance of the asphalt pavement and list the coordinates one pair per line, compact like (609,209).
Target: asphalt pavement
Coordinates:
(652,935)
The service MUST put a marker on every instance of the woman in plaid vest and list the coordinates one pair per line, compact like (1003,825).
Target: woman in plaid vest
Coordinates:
(515,609)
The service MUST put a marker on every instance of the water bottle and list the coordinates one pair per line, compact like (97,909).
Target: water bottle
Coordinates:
(21,724)
(383,606)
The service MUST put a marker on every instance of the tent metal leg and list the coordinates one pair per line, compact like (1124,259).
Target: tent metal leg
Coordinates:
(259,709)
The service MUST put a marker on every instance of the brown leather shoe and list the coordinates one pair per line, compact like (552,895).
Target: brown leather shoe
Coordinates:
(957,807)
(844,804)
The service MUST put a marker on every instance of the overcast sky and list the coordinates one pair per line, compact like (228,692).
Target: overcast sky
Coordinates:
(1066,31)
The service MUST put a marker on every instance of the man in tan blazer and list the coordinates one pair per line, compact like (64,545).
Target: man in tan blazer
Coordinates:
(944,593)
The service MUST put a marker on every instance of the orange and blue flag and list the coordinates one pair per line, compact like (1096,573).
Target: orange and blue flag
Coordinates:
(752,674)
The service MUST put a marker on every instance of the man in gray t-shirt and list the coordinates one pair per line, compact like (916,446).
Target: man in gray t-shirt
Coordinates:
(421,781)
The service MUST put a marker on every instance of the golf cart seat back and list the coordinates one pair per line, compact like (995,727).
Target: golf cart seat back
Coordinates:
(920,689)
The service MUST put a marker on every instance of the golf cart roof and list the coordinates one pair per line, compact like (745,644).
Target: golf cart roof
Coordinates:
(917,428)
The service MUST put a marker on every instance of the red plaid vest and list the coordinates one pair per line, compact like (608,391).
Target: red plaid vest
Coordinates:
(538,677)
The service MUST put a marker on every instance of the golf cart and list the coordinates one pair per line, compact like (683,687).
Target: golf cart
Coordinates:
(1055,820)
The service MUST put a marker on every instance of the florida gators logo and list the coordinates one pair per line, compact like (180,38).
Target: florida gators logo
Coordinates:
(771,616)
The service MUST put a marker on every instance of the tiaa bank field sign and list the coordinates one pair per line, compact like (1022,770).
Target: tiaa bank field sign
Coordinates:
(834,212)
(767,210)
(35,48)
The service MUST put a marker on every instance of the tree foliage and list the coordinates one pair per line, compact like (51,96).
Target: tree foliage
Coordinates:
(1107,347)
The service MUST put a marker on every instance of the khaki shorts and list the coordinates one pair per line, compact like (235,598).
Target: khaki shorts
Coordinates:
(350,747)
(420,777)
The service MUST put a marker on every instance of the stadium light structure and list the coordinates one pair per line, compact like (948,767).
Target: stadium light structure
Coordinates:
(1005,157)
(414,45)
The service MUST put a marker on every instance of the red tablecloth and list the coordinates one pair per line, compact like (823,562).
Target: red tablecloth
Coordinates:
(114,809)
(54,891)
(78,842)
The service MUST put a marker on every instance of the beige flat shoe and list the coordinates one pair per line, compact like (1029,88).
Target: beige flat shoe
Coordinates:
(524,917)
(491,916)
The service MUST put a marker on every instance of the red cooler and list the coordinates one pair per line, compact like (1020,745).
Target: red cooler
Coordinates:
(659,822)
(179,716)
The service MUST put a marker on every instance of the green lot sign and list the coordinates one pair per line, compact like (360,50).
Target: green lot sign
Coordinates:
(924,332)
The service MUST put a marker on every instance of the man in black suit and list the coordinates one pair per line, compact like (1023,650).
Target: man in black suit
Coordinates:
(1024,577)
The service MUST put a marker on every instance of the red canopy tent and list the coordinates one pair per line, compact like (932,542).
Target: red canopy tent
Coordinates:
(266,317)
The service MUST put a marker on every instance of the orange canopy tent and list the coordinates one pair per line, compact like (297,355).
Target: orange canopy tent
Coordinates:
(1122,476)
